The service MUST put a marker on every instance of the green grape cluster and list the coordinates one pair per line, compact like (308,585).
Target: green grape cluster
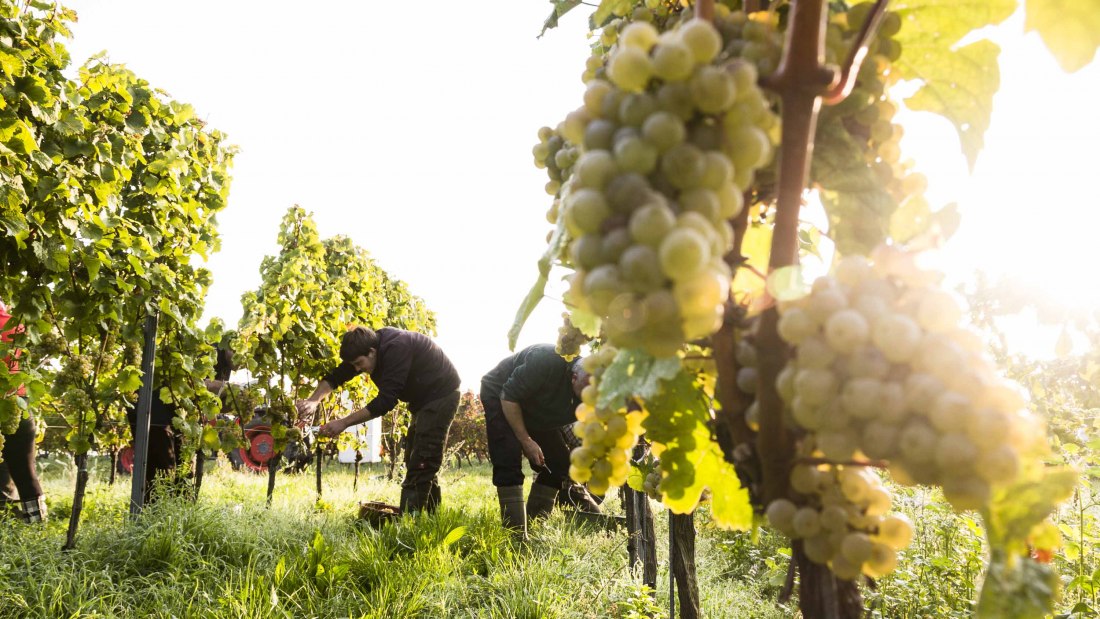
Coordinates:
(75,371)
(868,113)
(557,157)
(842,520)
(49,345)
(883,369)
(570,339)
(607,434)
(667,144)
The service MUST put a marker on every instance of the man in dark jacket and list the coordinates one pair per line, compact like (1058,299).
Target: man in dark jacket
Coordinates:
(404,366)
(528,398)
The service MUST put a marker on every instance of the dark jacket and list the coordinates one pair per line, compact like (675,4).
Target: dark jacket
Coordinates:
(540,381)
(410,367)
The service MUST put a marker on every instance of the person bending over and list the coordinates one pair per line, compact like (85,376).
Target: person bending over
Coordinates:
(529,397)
(404,366)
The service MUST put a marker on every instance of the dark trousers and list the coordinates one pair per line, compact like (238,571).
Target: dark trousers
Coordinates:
(506,454)
(426,440)
(19,475)
(165,446)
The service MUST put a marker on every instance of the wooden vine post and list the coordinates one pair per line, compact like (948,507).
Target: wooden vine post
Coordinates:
(802,83)
(681,559)
(641,533)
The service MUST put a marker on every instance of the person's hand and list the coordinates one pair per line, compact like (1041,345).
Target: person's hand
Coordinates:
(306,410)
(533,452)
(332,429)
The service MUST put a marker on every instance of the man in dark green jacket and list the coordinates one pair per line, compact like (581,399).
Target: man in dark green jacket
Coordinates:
(528,398)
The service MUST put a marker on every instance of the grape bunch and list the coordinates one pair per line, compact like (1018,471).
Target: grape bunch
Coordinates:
(882,369)
(570,339)
(843,520)
(557,157)
(667,144)
(607,434)
(868,113)
(76,371)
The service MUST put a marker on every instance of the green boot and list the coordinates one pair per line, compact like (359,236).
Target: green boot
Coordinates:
(511,509)
(541,500)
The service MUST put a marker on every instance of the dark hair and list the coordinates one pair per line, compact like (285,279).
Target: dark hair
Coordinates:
(357,342)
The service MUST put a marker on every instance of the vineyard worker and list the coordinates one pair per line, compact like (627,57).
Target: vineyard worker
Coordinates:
(404,366)
(165,444)
(19,449)
(528,398)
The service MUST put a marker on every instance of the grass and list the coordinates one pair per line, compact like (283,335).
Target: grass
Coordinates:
(230,556)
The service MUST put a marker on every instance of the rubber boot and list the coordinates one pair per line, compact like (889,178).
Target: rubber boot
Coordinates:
(34,510)
(541,500)
(511,509)
(410,501)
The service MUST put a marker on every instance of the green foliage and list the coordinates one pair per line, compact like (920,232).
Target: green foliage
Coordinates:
(110,190)
(678,426)
(634,373)
(310,294)
(958,82)
(1071,30)
(855,201)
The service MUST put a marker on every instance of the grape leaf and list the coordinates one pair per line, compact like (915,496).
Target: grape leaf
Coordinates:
(586,322)
(857,206)
(634,373)
(636,479)
(1069,28)
(959,83)
(561,7)
(677,425)
(531,301)
(911,219)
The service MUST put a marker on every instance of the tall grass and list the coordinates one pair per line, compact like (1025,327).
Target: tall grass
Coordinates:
(230,556)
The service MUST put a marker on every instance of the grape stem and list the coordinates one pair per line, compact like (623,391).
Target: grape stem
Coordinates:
(856,55)
(800,81)
(704,9)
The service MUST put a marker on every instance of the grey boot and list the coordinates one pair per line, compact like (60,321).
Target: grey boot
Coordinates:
(541,500)
(511,509)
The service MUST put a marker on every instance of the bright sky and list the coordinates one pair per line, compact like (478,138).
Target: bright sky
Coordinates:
(411,133)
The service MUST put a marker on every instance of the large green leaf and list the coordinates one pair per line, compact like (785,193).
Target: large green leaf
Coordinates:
(1070,29)
(678,425)
(634,373)
(959,83)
